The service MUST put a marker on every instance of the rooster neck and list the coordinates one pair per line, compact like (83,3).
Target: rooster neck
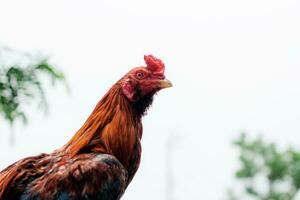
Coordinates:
(114,127)
(141,106)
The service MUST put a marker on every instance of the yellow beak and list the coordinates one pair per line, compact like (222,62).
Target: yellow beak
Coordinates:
(165,83)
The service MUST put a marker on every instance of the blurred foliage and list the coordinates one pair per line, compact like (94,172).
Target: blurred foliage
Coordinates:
(21,82)
(266,172)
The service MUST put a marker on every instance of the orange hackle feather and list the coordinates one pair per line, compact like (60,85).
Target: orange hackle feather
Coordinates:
(111,127)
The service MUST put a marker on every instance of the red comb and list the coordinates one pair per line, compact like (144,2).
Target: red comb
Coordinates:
(155,65)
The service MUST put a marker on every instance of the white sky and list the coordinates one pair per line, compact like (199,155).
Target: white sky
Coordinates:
(234,65)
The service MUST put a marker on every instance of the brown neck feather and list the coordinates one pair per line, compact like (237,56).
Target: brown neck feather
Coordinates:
(114,114)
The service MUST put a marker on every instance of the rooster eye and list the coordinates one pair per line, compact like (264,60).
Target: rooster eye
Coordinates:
(140,75)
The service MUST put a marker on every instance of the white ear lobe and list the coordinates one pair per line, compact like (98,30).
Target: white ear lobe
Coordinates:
(128,90)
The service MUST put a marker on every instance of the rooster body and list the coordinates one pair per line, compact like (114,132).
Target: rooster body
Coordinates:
(103,156)
(50,176)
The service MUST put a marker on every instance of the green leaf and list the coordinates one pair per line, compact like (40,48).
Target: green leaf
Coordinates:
(20,82)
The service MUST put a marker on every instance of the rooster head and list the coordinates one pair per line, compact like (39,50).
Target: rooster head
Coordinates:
(145,81)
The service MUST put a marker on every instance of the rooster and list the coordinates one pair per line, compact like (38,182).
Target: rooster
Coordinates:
(100,160)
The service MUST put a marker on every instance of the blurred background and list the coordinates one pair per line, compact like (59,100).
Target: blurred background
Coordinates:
(234,65)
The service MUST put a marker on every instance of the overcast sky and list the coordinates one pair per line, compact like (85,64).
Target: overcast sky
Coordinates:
(234,65)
